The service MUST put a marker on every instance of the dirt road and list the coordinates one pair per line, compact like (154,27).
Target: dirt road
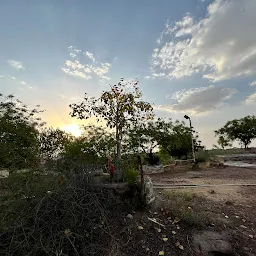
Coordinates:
(234,206)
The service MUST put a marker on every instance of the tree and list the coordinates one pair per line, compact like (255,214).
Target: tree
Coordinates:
(144,137)
(118,107)
(243,130)
(224,142)
(19,132)
(176,139)
(53,142)
(92,146)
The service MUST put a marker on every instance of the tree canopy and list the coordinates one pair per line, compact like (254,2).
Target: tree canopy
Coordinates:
(243,130)
(92,146)
(119,107)
(19,131)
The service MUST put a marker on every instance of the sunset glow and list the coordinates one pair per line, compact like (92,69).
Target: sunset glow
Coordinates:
(74,129)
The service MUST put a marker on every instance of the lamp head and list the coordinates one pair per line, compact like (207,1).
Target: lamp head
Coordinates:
(186,117)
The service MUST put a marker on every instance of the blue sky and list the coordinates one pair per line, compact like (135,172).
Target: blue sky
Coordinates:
(192,56)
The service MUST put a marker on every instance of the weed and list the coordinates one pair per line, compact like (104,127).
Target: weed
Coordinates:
(130,176)
(179,196)
(184,206)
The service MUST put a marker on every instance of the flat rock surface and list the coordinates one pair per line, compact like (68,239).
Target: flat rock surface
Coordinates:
(211,243)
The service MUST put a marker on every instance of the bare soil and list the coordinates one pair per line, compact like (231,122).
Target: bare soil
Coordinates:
(232,208)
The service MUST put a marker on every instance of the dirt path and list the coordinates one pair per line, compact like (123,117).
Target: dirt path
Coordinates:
(233,206)
(212,176)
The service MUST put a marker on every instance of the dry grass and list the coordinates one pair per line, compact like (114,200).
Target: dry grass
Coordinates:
(187,207)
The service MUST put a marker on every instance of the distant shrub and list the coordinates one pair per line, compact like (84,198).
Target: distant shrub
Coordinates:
(130,176)
(152,159)
(165,158)
(202,156)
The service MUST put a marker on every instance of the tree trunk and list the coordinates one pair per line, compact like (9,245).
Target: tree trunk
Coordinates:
(142,188)
(118,154)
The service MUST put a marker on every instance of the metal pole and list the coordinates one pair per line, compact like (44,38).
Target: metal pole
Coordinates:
(193,147)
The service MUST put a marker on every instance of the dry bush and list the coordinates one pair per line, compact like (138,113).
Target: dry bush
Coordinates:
(76,219)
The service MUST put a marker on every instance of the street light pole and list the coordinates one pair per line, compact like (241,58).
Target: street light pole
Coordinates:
(192,140)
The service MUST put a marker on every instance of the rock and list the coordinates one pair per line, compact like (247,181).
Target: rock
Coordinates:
(211,243)
(129,216)
(150,195)
(150,169)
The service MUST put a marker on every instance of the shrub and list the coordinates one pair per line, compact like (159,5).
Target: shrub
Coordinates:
(77,219)
(130,176)
(152,159)
(202,156)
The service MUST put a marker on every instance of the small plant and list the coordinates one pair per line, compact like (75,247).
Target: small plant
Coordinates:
(130,176)
(184,206)
(152,159)
(181,196)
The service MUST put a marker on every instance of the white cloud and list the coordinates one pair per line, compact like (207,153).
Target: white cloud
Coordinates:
(86,71)
(198,100)
(2,76)
(65,97)
(22,82)
(222,45)
(251,99)
(253,83)
(15,64)
(102,70)
(13,78)
(76,73)
(73,52)
(90,56)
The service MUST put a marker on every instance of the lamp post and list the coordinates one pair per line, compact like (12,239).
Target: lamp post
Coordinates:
(193,147)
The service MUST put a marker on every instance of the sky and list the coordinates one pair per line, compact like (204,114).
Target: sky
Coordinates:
(194,57)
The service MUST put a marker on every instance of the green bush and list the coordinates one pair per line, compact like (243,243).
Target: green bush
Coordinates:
(29,184)
(165,158)
(130,176)
(202,156)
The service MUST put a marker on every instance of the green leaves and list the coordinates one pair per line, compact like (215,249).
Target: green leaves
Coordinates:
(18,134)
(53,142)
(118,107)
(243,130)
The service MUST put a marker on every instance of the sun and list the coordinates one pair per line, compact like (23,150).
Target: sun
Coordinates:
(74,129)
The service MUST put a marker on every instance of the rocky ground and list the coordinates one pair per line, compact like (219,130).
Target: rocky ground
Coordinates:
(228,210)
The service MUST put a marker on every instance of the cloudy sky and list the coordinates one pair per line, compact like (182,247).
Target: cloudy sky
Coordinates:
(195,57)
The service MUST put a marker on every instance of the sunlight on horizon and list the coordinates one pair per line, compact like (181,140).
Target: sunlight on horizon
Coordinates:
(74,129)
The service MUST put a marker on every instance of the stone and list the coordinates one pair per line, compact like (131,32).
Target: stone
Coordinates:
(129,216)
(150,169)
(150,195)
(212,243)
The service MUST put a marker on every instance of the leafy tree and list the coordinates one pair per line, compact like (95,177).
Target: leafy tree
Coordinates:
(176,139)
(243,130)
(18,134)
(144,137)
(92,146)
(53,142)
(224,142)
(118,107)
(171,137)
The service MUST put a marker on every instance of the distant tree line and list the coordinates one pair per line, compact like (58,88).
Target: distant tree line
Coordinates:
(130,128)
